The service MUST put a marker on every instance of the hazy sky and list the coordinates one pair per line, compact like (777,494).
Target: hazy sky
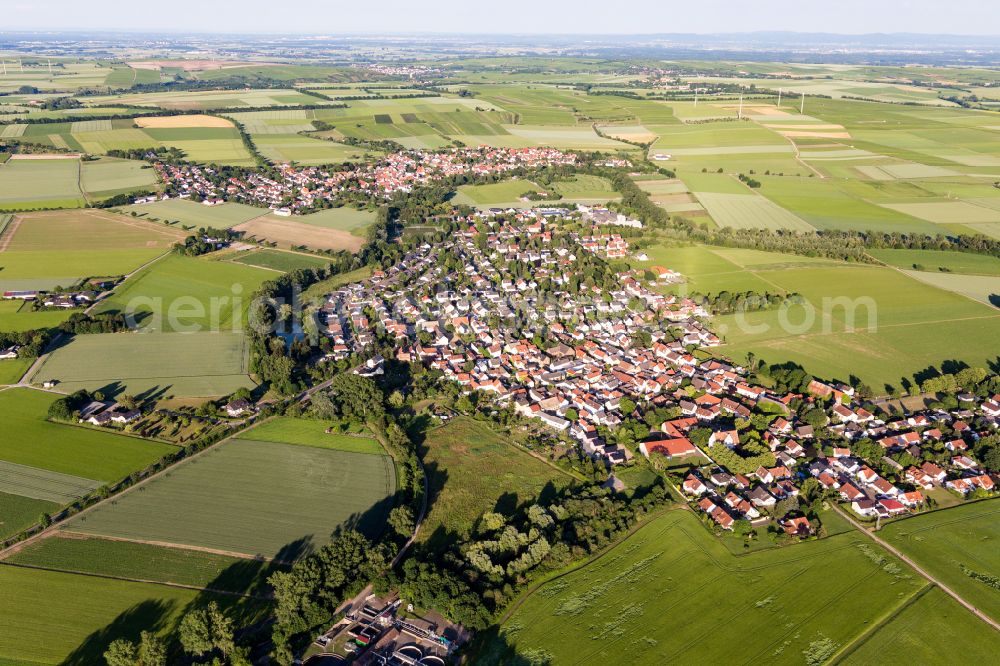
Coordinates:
(971,17)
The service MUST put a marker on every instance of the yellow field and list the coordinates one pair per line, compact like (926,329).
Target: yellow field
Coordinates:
(198,120)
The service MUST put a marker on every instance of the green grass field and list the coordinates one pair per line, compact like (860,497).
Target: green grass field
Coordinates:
(983,288)
(933,260)
(238,496)
(12,369)
(90,613)
(310,432)
(210,99)
(109,176)
(668,594)
(307,150)
(471,470)
(145,562)
(202,364)
(504,192)
(185,294)
(914,323)
(749,211)
(221,145)
(27,184)
(344,218)
(944,541)
(280,260)
(54,248)
(19,316)
(18,512)
(926,632)
(26,438)
(187,213)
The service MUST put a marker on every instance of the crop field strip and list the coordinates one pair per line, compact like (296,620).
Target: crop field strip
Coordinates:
(43,484)
(204,364)
(129,560)
(236,499)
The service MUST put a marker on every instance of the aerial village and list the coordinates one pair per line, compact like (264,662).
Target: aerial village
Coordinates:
(504,308)
(294,190)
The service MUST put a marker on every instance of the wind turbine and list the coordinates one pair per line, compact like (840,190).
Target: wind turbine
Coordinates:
(779,96)
(802,104)
(739,114)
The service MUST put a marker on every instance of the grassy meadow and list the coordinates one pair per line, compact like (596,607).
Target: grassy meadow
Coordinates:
(663,604)
(91,612)
(279,260)
(471,470)
(18,512)
(926,632)
(311,432)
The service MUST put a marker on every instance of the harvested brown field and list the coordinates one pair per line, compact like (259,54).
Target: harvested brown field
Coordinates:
(749,110)
(45,156)
(198,120)
(288,232)
(672,198)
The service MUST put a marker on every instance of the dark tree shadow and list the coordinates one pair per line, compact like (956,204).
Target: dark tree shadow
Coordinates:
(951,367)
(293,550)
(148,615)
(491,648)
(438,542)
(927,373)
(507,504)
(371,522)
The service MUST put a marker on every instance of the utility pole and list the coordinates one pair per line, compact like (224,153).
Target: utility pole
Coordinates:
(802,104)
(50,67)
(21,65)
(739,114)
(779,96)
(5,68)
(696,98)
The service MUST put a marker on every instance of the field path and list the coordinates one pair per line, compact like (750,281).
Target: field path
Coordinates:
(944,588)
(9,231)
(181,586)
(168,544)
